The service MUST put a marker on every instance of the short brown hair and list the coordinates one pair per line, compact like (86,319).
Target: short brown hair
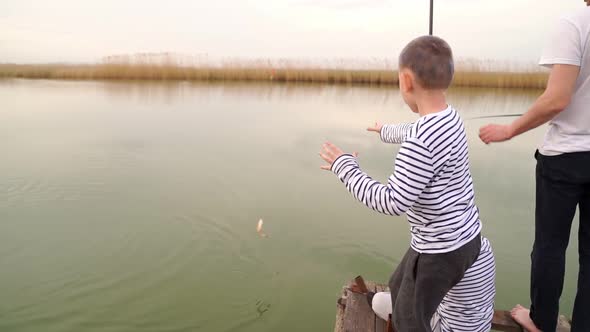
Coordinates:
(431,60)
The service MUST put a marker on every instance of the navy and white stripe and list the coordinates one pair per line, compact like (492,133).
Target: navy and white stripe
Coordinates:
(431,182)
(469,305)
(396,133)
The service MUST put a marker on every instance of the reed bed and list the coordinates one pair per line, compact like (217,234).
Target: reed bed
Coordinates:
(469,73)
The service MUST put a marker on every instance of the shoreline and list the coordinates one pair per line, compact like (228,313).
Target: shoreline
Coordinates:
(239,73)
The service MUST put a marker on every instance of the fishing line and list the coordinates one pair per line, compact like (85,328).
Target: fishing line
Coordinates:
(494,116)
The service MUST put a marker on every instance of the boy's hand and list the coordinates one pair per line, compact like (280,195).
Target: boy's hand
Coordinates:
(330,153)
(494,133)
(376,128)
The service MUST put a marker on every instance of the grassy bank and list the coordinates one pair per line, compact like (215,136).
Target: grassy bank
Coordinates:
(468,76)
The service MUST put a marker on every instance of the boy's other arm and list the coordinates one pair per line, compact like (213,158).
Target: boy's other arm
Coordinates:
(557,96)
(393,133)
(413,171)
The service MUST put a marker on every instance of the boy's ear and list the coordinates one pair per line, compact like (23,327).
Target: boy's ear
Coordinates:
(408,80)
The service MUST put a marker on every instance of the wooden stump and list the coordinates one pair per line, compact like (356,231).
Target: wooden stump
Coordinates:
(354,314)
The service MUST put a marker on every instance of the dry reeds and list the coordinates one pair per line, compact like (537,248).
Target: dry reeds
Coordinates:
(493,74)
(166,67)
(167,72)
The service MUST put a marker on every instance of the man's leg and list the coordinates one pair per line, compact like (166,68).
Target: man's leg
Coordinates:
(556,201)
(581,316)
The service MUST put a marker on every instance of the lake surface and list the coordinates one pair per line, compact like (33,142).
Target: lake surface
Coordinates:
(133,206)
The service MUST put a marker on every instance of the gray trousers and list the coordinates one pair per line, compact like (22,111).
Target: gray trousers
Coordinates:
(421,281)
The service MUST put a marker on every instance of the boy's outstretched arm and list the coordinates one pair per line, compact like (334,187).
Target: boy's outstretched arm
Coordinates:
(413,171)
(392,133)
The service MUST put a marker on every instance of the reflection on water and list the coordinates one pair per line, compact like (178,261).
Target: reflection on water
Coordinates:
(132,206)
(490,99)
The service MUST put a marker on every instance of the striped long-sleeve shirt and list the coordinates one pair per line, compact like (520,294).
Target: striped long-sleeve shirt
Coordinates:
(431,182)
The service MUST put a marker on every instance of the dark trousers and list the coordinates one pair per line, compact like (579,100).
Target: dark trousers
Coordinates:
(421,281)
(563,183)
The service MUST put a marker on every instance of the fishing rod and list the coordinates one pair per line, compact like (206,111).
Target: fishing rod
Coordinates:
(431,17)
(495,116)
(430,26)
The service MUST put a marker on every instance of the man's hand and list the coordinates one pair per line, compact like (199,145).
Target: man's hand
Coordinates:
(495,133)
(376,128)
(330,153)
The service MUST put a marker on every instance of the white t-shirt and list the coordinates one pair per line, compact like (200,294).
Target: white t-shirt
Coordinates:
(569,131)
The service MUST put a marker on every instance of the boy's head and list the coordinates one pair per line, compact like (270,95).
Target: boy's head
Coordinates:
(425,65)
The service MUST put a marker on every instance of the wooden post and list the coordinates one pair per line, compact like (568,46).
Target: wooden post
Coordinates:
(360,282)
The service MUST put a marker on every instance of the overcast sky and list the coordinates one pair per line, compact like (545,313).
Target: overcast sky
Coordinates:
(86,30)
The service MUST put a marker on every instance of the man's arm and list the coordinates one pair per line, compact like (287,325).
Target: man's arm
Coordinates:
(557,96)
(563,55)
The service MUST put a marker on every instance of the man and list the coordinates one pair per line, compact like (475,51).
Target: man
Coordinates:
(562,174)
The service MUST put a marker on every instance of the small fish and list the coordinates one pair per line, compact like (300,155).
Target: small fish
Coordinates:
(259,229)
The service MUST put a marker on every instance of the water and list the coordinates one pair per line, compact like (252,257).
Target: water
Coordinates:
(133,206)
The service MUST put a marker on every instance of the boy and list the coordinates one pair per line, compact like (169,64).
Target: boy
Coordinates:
(445,281)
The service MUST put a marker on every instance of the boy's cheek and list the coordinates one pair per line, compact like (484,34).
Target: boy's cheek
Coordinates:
(409,101)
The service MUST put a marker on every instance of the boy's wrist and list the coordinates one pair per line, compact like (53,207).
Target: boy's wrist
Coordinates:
(339,160)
